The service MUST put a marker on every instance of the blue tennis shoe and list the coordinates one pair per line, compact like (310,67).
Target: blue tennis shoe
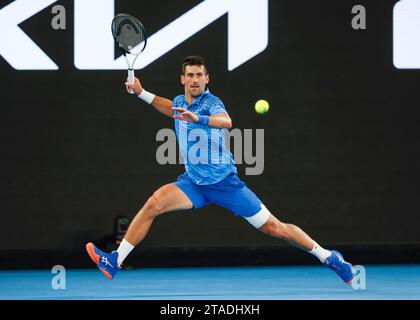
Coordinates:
(342,268)
(106,262)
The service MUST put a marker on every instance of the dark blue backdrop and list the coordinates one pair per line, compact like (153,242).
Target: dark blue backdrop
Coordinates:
(341,136)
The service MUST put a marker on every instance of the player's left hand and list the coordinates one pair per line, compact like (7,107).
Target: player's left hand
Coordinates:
(185,115)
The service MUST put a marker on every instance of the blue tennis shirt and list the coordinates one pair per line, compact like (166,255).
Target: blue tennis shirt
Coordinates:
(206,158)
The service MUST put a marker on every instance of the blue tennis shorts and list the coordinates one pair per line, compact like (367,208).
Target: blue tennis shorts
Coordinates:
(230,193)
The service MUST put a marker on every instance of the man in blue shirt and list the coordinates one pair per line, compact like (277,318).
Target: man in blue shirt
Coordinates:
(210,177)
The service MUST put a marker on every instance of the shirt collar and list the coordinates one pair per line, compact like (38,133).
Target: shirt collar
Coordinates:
(198,99)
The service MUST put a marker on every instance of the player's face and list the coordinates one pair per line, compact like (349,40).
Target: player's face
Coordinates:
(194,80)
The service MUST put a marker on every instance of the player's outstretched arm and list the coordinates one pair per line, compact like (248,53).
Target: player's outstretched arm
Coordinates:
(220,121)
(216,121)
(161,104)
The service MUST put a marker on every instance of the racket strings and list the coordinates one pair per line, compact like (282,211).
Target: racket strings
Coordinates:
(128,33)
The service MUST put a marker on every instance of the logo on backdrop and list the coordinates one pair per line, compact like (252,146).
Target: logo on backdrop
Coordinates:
(406,34)
(92,19)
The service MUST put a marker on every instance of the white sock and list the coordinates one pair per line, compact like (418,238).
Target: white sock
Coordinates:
(123,250)
(320,252)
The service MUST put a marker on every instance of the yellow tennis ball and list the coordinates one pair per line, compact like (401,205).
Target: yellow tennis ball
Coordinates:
(261,106)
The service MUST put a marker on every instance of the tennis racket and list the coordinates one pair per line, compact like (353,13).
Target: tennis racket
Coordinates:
(131,37)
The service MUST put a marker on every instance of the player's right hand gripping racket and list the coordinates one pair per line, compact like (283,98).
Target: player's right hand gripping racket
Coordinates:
(130,35)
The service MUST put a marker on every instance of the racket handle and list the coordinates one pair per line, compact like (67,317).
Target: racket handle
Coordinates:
(131,78)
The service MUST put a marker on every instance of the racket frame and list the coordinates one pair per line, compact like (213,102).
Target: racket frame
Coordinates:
(130,66)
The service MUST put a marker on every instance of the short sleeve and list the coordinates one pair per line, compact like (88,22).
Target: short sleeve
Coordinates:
(216,107)
(175,101)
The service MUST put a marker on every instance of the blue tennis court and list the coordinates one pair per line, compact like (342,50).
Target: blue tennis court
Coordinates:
(383,282)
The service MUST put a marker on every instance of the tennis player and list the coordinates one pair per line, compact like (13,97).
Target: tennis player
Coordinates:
(208,179)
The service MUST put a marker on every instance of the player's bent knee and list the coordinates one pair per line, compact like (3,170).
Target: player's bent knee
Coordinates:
(154,205)
(270,228)
(260,218)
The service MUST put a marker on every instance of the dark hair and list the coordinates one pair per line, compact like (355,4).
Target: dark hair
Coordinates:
(194,61)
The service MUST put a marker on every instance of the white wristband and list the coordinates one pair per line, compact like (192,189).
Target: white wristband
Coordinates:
(146,96)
